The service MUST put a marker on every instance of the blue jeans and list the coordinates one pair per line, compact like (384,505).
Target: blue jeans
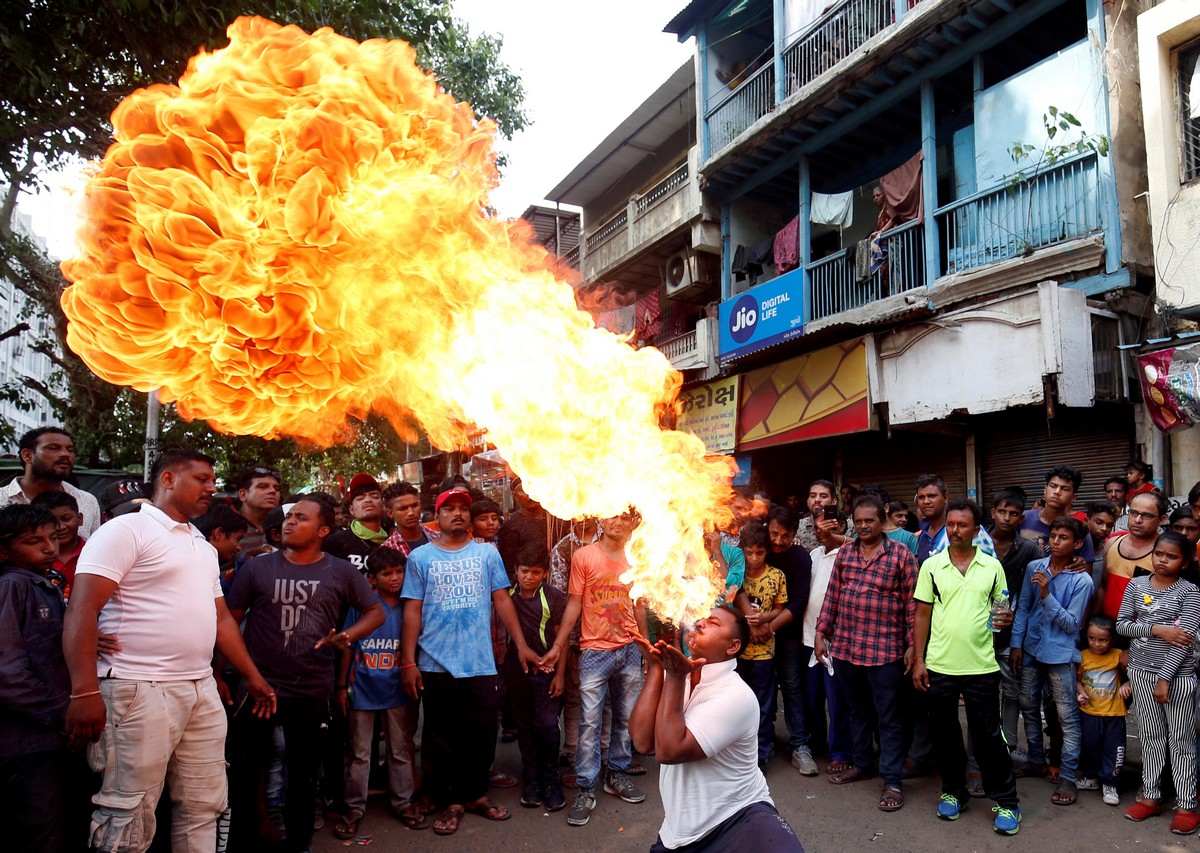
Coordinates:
(1035,675)
(791,659)
(823,693)
(760,675)
(615,672)
(874,697)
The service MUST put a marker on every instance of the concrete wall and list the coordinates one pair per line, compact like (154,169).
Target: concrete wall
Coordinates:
(988,357)
(1174,209)
(1126,132)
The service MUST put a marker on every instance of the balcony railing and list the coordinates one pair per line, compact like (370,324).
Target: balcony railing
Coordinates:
(608,230)
(834,286)
(572,258)
(1058,204)
(663,189)
(744,106)
(684,346)
(833,37)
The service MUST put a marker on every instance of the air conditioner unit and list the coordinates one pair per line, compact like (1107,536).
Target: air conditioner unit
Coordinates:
(687,274)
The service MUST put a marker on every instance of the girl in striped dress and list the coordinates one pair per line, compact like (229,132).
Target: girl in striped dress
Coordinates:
(1161,612)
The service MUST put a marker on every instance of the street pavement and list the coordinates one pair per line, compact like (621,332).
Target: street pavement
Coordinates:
(826,817)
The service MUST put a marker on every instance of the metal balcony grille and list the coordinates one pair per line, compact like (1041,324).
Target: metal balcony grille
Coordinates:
(1189,110)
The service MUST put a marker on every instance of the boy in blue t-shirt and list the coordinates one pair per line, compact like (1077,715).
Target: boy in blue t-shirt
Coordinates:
(537,698)
(369,686)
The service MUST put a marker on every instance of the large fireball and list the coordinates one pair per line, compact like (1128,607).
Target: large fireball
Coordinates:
(298,232)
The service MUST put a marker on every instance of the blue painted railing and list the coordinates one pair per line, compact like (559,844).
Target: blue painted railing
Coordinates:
(1059,203)
(834,287)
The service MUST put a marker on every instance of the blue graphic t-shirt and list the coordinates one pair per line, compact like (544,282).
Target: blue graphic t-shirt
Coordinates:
(375,666)
(455,588)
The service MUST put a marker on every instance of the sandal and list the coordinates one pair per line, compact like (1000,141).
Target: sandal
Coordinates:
(501,780)
(411,817)
(346,827)
(837,767)
(447,822)
(975,786)
(1052,775)
(425,805)
(485,808)
(1030,769)
(1064,794)
(891,799)
(853,774)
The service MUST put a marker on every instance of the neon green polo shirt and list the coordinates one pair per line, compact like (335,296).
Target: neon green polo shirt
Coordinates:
(960,642)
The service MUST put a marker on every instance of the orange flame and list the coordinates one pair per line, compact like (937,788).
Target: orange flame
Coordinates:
(297,232)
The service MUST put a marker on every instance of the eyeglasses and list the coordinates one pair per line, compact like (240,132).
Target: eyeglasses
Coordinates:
(1148,516)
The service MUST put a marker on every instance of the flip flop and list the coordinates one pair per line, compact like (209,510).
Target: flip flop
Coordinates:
(837,767)
(848,776)
(346,827)
(411,817)
(891,799)
(447,822)
(485,808)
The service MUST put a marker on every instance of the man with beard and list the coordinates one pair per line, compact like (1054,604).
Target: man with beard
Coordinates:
(49,457)
(259,490)
(449,592)
(151,579)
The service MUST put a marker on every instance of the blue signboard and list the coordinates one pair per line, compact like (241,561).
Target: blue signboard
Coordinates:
(762,316)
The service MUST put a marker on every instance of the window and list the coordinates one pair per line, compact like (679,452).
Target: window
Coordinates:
(1189,109)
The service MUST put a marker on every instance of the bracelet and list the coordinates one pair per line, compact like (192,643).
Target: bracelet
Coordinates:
(84,695)
(407,665)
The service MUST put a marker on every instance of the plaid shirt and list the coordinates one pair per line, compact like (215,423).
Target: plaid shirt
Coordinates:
(868,611)
(397,542)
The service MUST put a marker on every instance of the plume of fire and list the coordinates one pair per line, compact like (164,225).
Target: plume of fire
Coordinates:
(298,232)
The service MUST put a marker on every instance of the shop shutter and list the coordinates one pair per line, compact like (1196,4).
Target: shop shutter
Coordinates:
(1021,448)
(896,462)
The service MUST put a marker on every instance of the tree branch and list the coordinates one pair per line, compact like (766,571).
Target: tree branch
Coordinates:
(42,388)
(14,331)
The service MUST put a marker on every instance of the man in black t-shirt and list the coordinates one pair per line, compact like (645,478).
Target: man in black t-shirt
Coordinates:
(366,532)
(292,601)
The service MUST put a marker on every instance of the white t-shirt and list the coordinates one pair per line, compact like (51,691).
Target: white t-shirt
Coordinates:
(722,715)
(822,570)
(164,611)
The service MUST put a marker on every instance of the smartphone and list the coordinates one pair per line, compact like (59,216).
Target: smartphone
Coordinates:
(829,512)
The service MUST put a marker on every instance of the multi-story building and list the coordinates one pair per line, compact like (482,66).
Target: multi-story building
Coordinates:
(18,360)
(1169,65)
(933,236)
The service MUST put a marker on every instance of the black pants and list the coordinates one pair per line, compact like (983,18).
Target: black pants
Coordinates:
(536,717)
(874,696)
(757,827)
(252,742)
(981,695)
(459,738)
(1102,750)
(43,802)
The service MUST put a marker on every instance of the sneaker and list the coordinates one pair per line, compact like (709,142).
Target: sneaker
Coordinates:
(950,807)
(1111,797)
(581,811)
(531,797)
(1085,783)
(802,760)
(554,800)
(1008,821)
(619,785)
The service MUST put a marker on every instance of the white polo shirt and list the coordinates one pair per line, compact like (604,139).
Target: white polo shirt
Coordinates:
(164,611)
(722,715)
(89,507)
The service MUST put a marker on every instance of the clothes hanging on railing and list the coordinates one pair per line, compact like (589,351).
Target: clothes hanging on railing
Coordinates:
(749,261)
(862,261)
(787,247)
(902,189)
(836,210)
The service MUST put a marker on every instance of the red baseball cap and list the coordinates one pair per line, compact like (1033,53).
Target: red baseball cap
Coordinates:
(456,492)
(361,483)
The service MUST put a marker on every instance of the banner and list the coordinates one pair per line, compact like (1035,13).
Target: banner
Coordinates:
(817,395)
(765,315)
(710,413)
(1171,386)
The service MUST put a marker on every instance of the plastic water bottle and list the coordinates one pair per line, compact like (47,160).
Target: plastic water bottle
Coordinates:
(999,605)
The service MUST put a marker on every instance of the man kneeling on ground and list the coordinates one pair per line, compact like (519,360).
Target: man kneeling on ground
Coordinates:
(700,721)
